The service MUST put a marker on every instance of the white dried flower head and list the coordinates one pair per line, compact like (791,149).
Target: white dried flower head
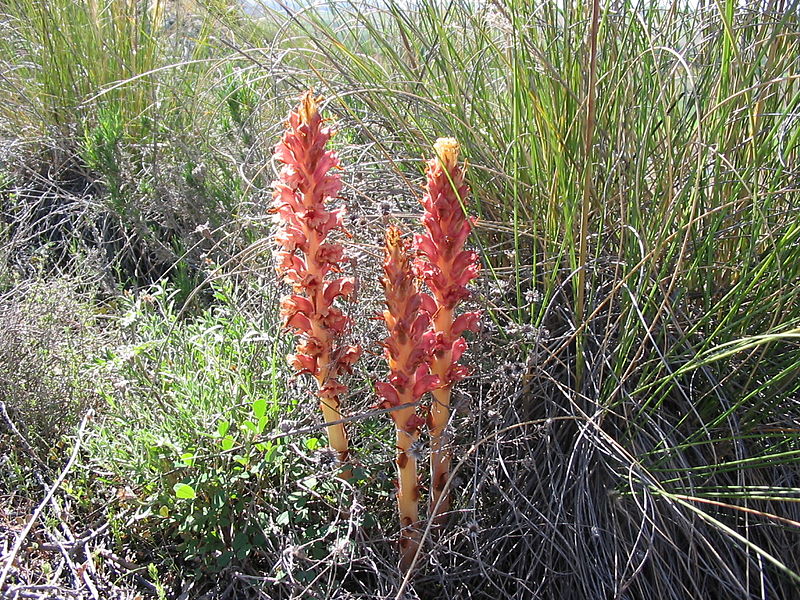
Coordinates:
(340,548)
(512,370)
(497,289)
(286,426)
(472,526)
(533,296)
(293,551)
(417,450)
(495,20)
(204,230)
(529,333)
(199,171)
(327,458)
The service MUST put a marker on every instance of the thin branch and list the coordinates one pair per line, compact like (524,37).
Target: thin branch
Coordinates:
(39,509)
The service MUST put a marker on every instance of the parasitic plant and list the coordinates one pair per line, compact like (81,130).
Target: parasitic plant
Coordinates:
(446,269)
(408,352)
(307,261)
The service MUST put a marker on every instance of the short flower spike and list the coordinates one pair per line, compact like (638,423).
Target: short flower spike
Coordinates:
(408,352)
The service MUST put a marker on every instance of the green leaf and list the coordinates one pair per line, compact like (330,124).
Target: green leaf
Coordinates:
(185,491)
(241,540)
(269,453)
(222,428)
(260,408)
(262,423)
(283,518)
(224,559)
(227,442)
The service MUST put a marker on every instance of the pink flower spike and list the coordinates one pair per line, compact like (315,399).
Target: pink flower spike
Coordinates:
(348,357)
(388,392)
(425,383)
(290,305)
(300,322)
(413,423)
(446,268)
(339,287)
(302,363)
(307,181)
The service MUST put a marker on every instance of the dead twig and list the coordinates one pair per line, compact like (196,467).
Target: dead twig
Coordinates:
(39,509)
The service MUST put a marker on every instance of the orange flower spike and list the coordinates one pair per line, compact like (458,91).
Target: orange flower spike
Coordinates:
(446,268)
(408,348)
(304,187)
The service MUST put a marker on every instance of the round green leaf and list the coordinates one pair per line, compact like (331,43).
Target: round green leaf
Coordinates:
(184,491)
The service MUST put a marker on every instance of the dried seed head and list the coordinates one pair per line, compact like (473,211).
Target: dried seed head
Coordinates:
(293,551)
(340,547)
(529,332)
(512,370)
(533,296)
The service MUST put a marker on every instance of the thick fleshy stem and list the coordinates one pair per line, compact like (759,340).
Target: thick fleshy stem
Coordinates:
(446,268)
(305,260)
(408,352)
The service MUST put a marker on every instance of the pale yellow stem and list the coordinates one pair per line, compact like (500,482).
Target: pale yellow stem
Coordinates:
(337,436)
(439,417)
(407,488)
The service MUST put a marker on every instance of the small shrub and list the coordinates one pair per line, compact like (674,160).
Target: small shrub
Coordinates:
(194,407)
(47,333)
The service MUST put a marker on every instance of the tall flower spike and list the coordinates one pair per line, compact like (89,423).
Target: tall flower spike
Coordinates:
(301,193)
(446,268)
(408,347)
